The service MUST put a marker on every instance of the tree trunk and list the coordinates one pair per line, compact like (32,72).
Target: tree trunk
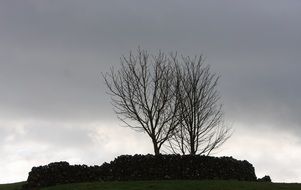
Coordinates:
(156,148)
(192,148)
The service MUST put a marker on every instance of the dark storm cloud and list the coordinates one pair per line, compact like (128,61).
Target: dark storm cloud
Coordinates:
(52,54)
(254,46)
(119,24)
(52,86)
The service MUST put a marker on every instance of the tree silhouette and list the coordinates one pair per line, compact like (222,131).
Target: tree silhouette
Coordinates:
(175,101)
(144,95)
(201,128)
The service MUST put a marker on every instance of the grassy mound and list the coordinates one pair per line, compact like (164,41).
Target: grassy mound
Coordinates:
(12,186)
(167,185)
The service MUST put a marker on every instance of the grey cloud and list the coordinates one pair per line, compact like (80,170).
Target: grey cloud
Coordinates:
(265,92)
(60,135)
(255,48)
(118,24)
(4,132)
(53,87)
(46,133)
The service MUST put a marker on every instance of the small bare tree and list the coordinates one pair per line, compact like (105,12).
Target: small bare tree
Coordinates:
(144,95)
(201,127)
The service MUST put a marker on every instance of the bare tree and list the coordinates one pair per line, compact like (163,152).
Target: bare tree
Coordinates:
(144,95)
(201,128)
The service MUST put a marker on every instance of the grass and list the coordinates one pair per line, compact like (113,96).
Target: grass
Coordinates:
(166,185)
(12,186)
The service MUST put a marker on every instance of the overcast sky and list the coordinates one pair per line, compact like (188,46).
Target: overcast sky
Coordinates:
(53,102)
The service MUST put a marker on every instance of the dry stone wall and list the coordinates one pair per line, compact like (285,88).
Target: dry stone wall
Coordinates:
(143,167)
